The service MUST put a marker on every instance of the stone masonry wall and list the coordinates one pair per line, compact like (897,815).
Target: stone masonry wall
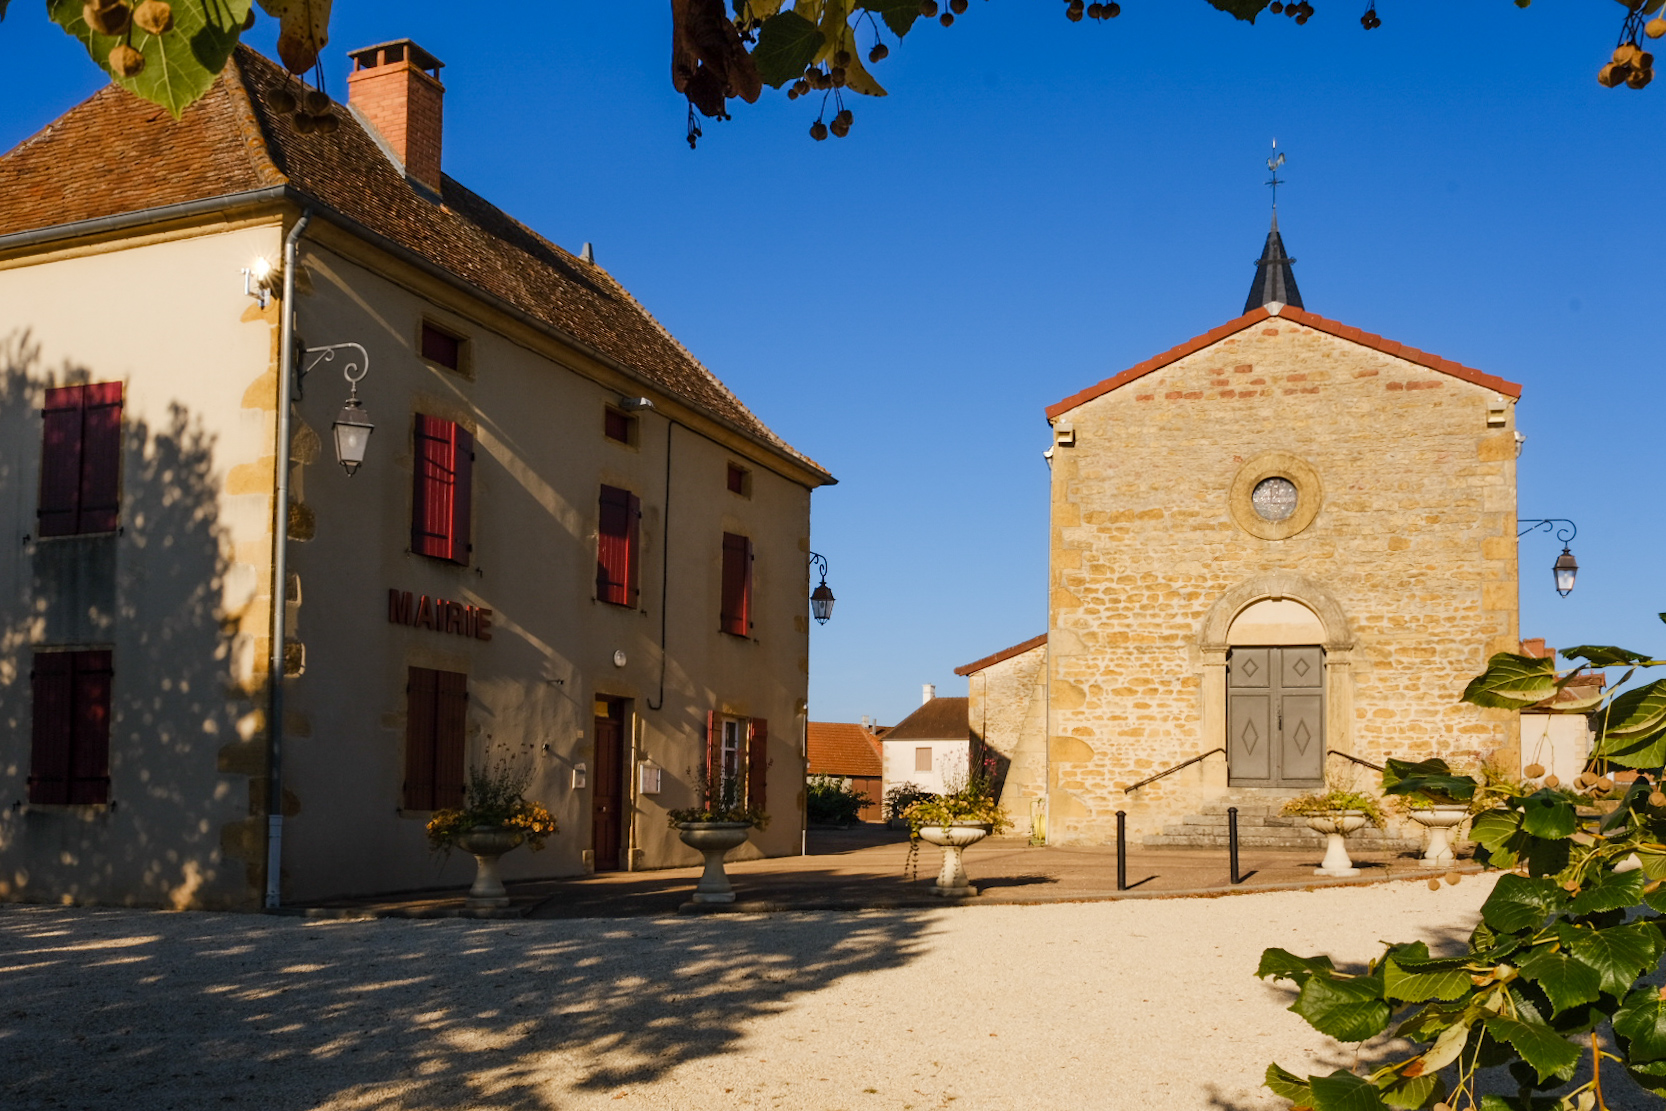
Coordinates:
(1414,540)
(1007,710)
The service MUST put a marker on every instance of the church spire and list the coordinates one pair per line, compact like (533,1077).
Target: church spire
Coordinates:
(1274,278)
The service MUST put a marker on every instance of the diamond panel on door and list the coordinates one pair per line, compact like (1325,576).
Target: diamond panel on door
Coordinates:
(1302,758)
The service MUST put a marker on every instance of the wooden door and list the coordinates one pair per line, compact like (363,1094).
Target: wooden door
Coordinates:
(1275,717)
(607,786)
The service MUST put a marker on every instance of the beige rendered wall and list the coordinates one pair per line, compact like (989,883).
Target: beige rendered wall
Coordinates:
(1412,552)
(541,458)
(1007,709)
(180,595)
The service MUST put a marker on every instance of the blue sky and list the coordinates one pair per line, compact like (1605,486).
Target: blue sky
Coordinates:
(1040,204)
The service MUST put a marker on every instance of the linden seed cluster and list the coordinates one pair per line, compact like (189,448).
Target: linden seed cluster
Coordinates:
(1301,11)
(115,17)
(1075,11)
(310,110)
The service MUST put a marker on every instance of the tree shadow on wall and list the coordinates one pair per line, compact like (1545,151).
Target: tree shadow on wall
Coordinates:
(152,593)
(414,1015)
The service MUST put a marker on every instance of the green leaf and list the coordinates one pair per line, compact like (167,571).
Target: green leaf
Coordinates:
(787,44)
(1493,1102)
(1619,953)
(1412,1092)
(1649,1075)
(1414,980)
(1445,1050)
(1289,1085)
(1609,891)
(180,64)
(1548,1052)
(1641,1021)
(899,15)
(1348,1010)
(1493,827)
(1431,778)
(1548,815)
(1282,964)
(1635,713)
(1343,1091)
(1566,981)
(1647,750)
(1604,655)
(1512,682)
(1246,10)
(1522,903)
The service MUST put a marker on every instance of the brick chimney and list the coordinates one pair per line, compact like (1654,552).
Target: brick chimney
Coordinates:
(395,87)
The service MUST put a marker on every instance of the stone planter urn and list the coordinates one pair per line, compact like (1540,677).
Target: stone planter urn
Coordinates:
(713,840)
(953,840)
(1336,826)
(1440,821)
(486,844)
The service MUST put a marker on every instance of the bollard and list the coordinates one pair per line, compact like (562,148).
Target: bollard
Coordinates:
(1232,841)
(1122,850)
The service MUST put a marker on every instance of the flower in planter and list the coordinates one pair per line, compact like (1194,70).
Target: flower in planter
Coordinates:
(724,801)
(494,796)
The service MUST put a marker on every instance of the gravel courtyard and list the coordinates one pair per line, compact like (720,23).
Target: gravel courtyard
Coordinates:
(1136,1004)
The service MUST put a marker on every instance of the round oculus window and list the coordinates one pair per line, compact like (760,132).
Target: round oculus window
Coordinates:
(1274,499)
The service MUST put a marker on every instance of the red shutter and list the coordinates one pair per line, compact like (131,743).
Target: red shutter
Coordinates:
(613,546)
(450,738)
(633,546)
(737,584)
(60,470)
(420,716)
(462,501)
(757,763)
(89,754)
(100,479)
(54,725)
(714,758)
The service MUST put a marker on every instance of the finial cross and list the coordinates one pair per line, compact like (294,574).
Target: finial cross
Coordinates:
(1273,164)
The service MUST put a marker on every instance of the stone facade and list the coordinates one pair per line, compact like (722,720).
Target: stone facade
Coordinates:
(1007,712)
(1402,548)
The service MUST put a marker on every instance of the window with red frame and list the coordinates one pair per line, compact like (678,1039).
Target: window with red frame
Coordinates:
(69,761)
(737,585)
(618,541)
(441,502)
(80,477)
(737,761)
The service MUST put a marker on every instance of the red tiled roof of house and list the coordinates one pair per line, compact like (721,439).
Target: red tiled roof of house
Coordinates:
(941,719)
(842,748)
(1004,654)
(116,154)
(1300,316)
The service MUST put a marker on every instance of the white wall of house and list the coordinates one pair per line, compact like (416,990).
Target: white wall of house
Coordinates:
(948,760)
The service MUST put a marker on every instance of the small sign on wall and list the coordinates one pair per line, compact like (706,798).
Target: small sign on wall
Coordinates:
(648,779)
(580,778)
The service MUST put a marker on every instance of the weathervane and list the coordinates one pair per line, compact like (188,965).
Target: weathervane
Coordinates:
(1273,164)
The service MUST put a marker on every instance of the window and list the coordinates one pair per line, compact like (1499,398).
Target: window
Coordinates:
(439,346)
(922,759)
(617,542)
(740,480)
(69,759)
(737,761)
(436,719)
(737,585)
(619,426)
(80,478)
(441,502)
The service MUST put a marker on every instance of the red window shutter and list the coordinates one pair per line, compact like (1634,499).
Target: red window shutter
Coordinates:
(462,501)
(714,758)
(450,737)
(613,544)
(100,480)
(737,585)
(420,716)
(89,754)
(54,725)
(633,545)
(60,471)
(431,496)
(757,763)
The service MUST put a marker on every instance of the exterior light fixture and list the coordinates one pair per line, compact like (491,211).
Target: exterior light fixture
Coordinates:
(821,598)
(1566,568)
(258,281)
(635,404)
(352,425)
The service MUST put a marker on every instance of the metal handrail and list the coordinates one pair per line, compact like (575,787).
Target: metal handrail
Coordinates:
(1356,759)
(1171,771)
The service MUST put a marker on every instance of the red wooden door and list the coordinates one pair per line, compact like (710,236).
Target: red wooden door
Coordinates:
(607,789)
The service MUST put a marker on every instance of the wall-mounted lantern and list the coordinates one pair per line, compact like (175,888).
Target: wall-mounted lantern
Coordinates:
(258,279)
(352,425)
(1566,568)
(821,598)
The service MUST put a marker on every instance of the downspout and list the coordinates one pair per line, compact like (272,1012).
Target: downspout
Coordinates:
(280,572)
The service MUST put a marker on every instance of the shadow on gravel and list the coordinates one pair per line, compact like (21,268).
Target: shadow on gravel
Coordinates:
(134,1010)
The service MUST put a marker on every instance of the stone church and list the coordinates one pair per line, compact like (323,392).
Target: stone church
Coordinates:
(1275,550)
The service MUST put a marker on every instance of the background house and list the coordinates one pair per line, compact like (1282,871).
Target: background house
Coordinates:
(930,748)
(850,752)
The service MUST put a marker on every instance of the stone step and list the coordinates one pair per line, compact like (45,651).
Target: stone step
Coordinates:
(1311,842)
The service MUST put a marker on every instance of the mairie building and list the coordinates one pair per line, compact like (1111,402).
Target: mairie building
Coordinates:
(569,549)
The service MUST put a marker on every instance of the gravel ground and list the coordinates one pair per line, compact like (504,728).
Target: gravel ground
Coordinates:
(1100,1005)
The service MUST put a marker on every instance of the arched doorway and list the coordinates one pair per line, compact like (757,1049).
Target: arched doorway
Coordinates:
(1275,696)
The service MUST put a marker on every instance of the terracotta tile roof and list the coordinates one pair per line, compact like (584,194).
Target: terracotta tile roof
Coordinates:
(1004,654)
(1300,316)
(115,154)
(842,748)
(941,719)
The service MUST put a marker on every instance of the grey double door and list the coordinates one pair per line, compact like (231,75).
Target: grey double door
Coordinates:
(1275,716)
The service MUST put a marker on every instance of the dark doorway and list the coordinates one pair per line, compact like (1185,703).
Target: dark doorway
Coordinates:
(608,801)
(1275,716)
